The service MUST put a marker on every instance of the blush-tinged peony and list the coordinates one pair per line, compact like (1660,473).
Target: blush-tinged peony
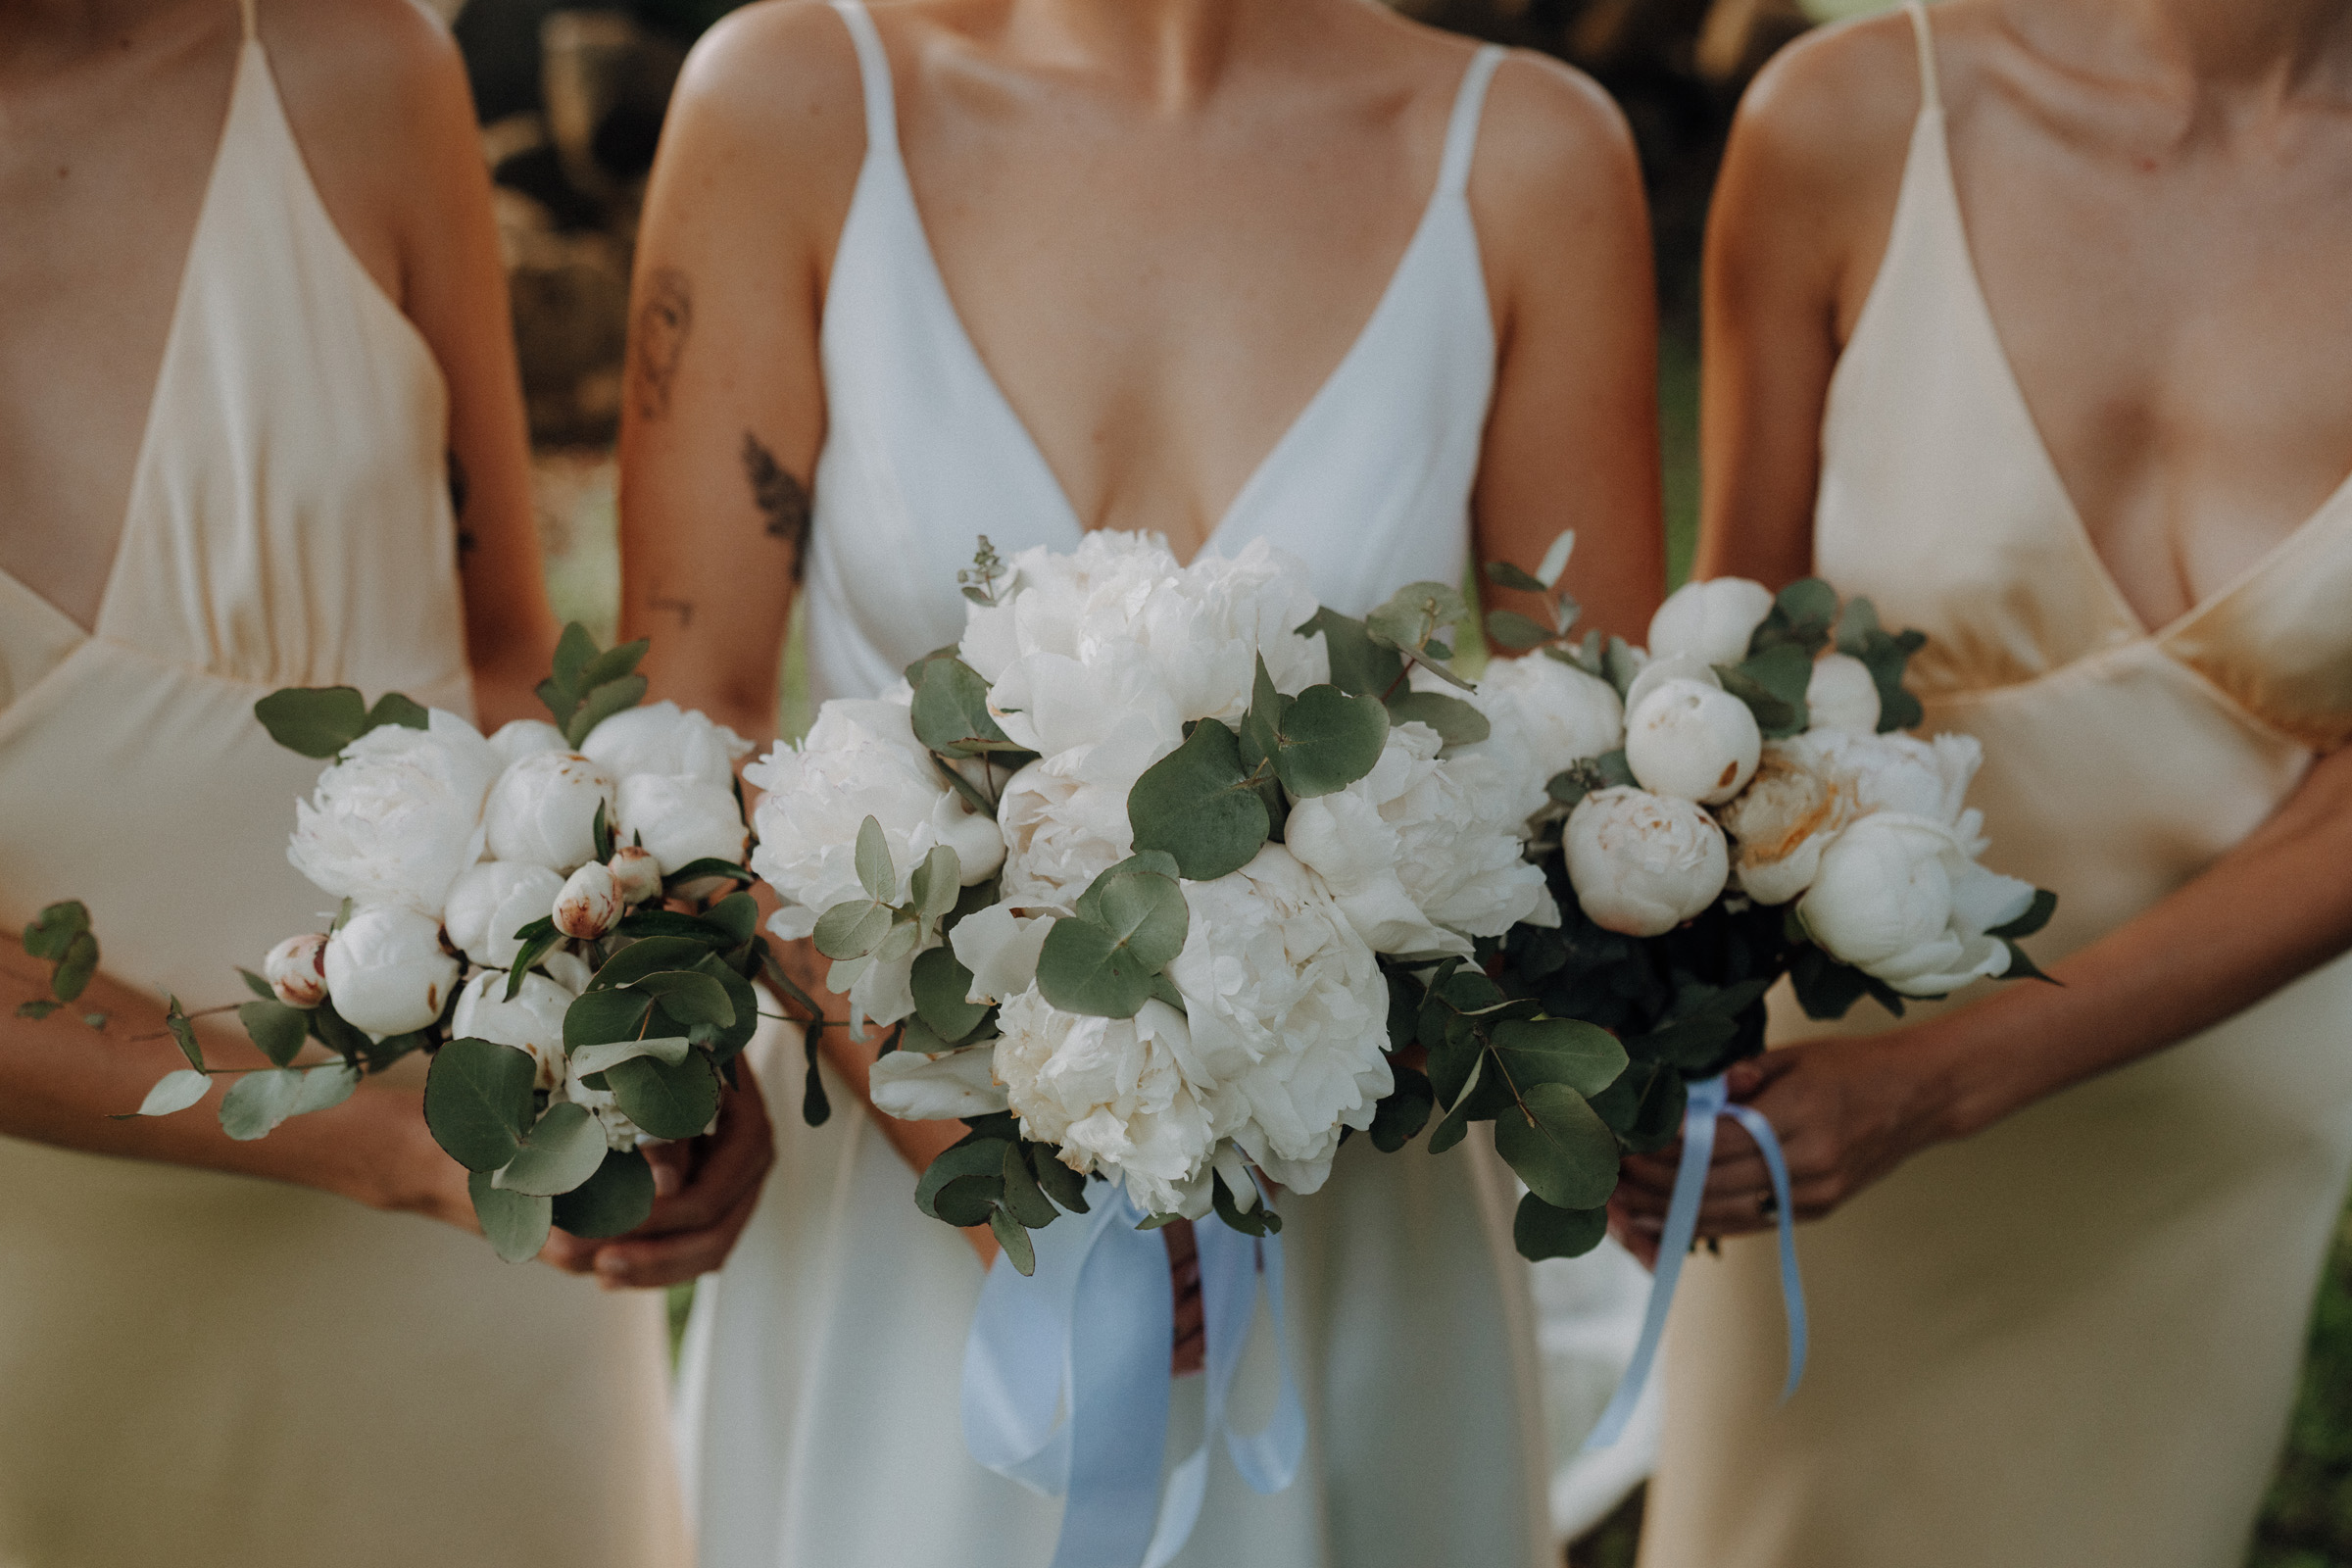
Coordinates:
(491,902)
(296,970)
(667,739)
(542,810)
(532,1023)
(1841,695)
(1900,899)
(1643,863)
(1784,819)
(387,972)
(1114,1095)
(397,817)
(1288,1015)
(680,820)
(1693,741)
(1714,619)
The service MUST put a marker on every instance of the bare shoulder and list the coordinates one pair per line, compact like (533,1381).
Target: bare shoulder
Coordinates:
(1830,117)
(1553,136)
(777,79)
(360,70)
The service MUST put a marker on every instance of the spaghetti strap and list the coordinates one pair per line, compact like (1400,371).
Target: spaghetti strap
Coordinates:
(874,75)
(248,11)
(1931,97)
(1462,131)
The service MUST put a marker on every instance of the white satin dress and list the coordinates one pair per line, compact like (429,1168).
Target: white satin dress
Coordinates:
(819,1419)
(202,1370)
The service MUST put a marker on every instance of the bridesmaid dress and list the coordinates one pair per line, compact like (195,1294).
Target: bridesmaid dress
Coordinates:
(819,1382)
(205,1369)
(2073,1339)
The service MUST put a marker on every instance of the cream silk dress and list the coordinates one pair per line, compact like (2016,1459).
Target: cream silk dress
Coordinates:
(207,1370)
(2072,1340)
(819,1385)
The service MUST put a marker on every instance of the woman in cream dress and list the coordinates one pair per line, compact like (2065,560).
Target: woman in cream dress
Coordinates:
(2073,350)
(222,474)
(1283,270)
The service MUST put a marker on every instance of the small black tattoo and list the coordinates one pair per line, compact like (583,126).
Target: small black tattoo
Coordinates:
(459,490)
(782,500)
(663,324)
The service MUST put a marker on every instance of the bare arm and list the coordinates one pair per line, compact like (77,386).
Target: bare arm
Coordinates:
(1572,438)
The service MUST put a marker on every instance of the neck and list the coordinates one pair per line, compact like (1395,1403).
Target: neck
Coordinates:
(54,33)
(2265,47)
(1172,53)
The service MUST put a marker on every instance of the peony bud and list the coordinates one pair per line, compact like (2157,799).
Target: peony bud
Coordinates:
(525,737)
(533,1022)
(1714,619)
(1673,667)
(590,904)
(1693,741)
(543,810)
(296,970)
(1843,696)
(387,972)
(664,738)
(1899,897)
(638,873)
(1641,863)
(491,902)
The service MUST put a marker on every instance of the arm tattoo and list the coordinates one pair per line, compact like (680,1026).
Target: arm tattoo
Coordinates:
(663,323)
(458,491)
(782,500)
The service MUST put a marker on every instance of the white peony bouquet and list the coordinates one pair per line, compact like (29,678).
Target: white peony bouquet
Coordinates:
(1150,876)
(1742,802)
(553,912)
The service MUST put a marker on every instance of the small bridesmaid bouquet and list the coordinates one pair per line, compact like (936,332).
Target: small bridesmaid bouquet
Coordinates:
(552,913)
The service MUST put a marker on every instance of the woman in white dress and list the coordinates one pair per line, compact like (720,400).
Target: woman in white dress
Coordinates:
(253,312)
(1225,270)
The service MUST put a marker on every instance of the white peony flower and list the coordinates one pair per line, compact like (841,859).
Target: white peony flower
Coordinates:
(567,970)
(1055,602)
(1785,818)
(1112,703)
(525,737)
(639,872)
(1642,864)
(543,810)
(665,739)
(1714,619)
(1840,695)
(532,1023)
(1900,899)
(1561,714)
(1693,741)
(491,902)
(1288,1015)
(1227,612)
(999,948)
(1114,1095)
(1420,853)
(680,820)
(296,970)
(590,903)
(1060,832)
(386,970)
(937,1086)
(397,817)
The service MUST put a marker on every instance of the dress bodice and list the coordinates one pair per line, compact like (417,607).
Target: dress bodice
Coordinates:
(1370,484)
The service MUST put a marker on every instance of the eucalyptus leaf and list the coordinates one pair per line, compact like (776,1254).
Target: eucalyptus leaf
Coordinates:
(314,720)
(600,704)
(688,997)
(737,915)
(1541,1231)
(1456,722)
(477,1101)
(2038,915)
(1019,1250)
(1555,558)
(394,709)
(1513,630)
(326,1087)
(1024,1200)
(54,929)
(1457,1123)
(597,1017)
(1198,805)
(73,971)
(1126,927)
(673,1101)
(1328,740)
(563,1149)
(1566,1155)
(654,954)
(258,1101)
(949,711)
(976,1158)
(935,884)
(1061,1183)
(515,1223)
(37,1009)
(940,984)
(610,1202)
(276,1030)
(176,1090)
(183,1033)
(1503,574)
(704,870)
(1415,614)
(596,1059)
(1359,665)
(875,873)
(1558,1051)
(1404,1111)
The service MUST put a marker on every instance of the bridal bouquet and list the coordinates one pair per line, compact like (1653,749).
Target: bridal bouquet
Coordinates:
(1152,873)
(549,911)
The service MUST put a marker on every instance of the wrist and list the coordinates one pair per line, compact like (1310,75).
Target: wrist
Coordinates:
(398,1168)
(1958,1094)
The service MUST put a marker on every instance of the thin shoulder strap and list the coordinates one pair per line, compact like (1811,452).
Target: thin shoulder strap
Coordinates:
(1931,97)
(249,10)
(874,75)
(1461,132)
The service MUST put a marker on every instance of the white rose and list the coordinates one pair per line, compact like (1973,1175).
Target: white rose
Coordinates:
(1642,864)
(999,948)
(639,872)
(1559,714)
(1288,1015)
(543,810)
(937,1086)
(1114,1093)
(1714,619)
(1784,819)
(860,759)
(398,817)
(532,1023)
(387,972)
(1693,741)
(296,970)
(1900,899)
(525,737)
(590,903)
(1059,833)
(1840,695)
(680,820)
(491,902)
(1420,853)
(667,739)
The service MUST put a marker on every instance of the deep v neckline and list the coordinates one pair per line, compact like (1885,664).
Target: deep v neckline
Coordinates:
(2071,514)
(967,350)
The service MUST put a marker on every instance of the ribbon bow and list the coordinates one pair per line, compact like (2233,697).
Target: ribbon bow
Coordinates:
(1710,1101)
(1066,1382)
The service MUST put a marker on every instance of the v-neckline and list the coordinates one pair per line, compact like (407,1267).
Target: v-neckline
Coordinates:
(959,335)
(163,371)
(2076,529)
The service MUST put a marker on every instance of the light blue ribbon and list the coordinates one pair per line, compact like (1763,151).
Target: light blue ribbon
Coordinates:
(1066,1381)
(1709,1100)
